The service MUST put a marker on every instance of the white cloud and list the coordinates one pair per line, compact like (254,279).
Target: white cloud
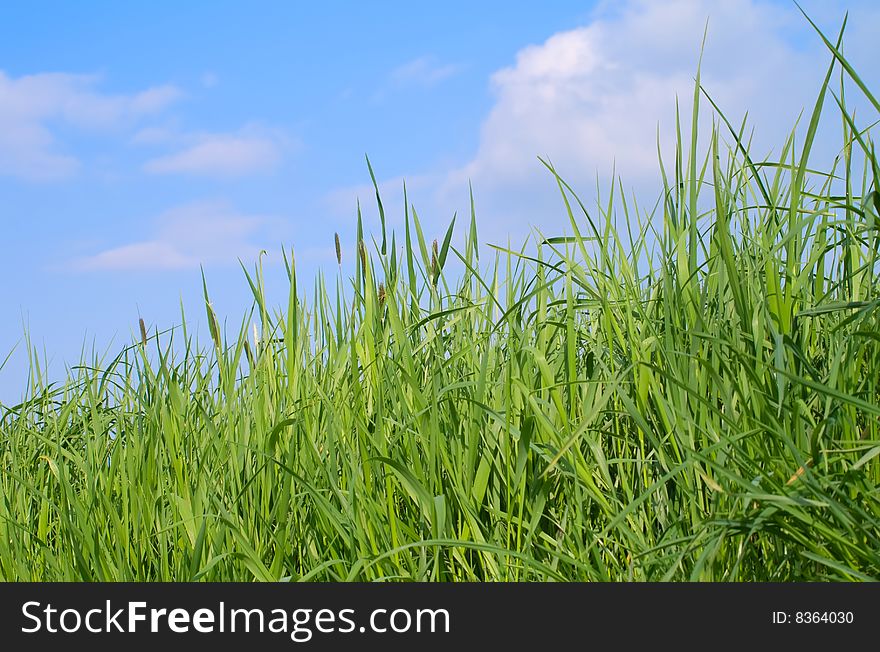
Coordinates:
(594,96)
(221,155)
(30,105)
(423,71)
(201,232)
(150,254)
(593,99)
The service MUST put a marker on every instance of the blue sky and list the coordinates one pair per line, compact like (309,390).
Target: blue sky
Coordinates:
(140,140)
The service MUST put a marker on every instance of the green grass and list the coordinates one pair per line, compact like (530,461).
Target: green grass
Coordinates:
(695,396)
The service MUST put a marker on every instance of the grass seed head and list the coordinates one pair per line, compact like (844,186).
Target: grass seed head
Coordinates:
(249,353)
(143,331)
(338,249)
(213,326)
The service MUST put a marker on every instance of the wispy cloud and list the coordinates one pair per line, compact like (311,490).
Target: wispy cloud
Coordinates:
(147,255)
(249,151)
(31,104)
(423,71)
(202,232)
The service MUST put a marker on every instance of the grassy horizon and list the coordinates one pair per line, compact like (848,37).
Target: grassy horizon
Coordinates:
(693,397)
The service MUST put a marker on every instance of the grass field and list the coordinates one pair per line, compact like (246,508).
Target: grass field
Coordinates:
(685,392)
